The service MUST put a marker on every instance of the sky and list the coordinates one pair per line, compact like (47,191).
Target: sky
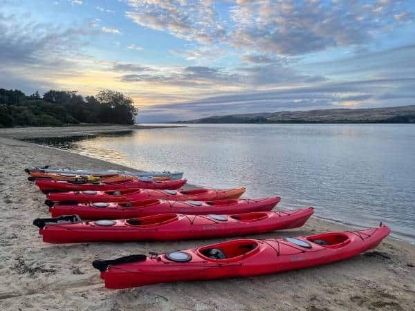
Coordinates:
(182,60)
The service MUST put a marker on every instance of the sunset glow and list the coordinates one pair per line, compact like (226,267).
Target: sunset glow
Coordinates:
(180,60)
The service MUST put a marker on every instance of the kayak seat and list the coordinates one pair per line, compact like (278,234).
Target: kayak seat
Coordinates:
(215,253)
(229,250)
(133,221)
(117,192)
(330,240)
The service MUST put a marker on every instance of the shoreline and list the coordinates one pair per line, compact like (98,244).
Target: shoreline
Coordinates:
(73,131)
(61,276)
(398,236)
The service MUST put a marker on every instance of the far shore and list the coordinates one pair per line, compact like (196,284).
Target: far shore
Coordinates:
(76,130)
(42,276)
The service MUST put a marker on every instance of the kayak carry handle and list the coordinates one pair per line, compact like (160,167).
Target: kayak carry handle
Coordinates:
(102,265)
(49,203)
(41,222)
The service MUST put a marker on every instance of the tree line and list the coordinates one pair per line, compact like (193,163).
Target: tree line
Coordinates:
(57,108)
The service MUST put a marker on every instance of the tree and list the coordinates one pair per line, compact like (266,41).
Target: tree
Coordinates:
(35,95)
(116,107)
(64,107)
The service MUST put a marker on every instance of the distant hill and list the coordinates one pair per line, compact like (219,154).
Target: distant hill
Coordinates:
(403,114)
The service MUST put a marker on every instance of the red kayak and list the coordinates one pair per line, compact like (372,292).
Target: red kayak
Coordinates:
(131,195)
(101,210)
(238,258)
(167,227)
(50,185)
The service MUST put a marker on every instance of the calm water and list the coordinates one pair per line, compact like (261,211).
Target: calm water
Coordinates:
(355,174)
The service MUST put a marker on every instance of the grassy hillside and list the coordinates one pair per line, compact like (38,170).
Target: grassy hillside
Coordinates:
(404,114)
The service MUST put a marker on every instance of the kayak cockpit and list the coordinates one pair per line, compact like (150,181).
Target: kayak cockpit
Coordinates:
(330,240)
(229,251)
(250,217)
(160,219)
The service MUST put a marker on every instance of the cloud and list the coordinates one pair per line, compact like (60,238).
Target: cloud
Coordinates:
(403,16)
(215,77)
(363,93)
(282,27)
(76,2)
(258,59)
(135,47)
(30,42)
(33,52)
(187,20)
(272,74)
(393,63)
(111,30)
(104,10)
(191,76)
(124,67)
(292,28)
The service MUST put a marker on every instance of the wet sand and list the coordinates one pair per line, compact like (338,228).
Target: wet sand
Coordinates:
(39,276)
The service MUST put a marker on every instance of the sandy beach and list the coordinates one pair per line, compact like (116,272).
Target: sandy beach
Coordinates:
(38,276)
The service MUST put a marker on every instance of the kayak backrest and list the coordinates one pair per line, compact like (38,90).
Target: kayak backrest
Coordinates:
(194,191)
(232,250)
(152,220)
(331,240)
(249,217)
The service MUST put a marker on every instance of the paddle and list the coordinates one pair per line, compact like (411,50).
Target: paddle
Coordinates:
(41,222)
(102,265)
